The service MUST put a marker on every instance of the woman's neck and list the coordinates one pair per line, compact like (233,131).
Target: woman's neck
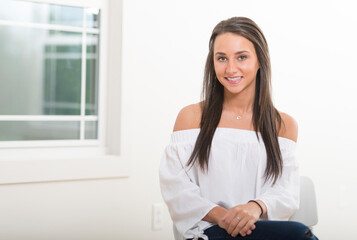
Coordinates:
(238,103)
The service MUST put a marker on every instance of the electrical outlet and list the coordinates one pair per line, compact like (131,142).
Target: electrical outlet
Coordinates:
(157,216)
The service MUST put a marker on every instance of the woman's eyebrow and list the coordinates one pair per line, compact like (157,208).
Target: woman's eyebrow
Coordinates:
(237,53)
(243,51)
(219,53)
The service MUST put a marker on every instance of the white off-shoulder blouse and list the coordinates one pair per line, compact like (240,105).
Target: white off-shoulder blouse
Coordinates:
(235,175)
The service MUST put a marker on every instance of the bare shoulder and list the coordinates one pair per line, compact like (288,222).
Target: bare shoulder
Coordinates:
(189,117)
(289,127)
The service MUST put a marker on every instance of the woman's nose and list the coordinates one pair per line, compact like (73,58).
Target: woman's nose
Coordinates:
(231,67)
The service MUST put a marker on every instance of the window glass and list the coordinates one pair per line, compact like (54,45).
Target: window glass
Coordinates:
(42,68)
(91,130)
(39,130)
(92,72)
(40,77)
(92,15)
(23,11)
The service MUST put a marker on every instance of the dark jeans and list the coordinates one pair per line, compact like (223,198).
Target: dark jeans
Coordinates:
(266,230)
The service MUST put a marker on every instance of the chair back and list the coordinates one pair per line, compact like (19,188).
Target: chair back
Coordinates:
(307,213)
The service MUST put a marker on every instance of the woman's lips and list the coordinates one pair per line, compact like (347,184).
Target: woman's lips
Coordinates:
(234,80)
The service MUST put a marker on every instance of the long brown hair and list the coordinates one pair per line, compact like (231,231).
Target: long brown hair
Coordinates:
(266,118)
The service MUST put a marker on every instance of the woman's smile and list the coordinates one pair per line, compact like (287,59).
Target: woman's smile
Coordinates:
(234,80)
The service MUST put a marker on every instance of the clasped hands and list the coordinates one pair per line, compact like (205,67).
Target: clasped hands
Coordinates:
(240,219)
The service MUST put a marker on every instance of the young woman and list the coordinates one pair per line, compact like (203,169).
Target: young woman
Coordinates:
(230,170)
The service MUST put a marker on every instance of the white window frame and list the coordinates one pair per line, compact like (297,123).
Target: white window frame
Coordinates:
(44,161)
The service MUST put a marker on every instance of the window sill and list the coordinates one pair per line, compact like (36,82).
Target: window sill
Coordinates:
(18,171)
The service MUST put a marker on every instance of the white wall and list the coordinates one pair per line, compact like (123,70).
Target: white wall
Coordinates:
(165,43)
(313,52)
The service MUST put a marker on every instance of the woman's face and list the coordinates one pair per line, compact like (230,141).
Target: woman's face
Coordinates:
(235,62)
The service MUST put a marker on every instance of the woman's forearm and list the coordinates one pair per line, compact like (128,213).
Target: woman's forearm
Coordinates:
(215,215)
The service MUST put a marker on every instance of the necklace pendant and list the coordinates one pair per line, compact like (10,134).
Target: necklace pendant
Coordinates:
(239,117)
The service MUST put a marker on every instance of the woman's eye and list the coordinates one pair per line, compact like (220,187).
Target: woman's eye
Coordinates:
(221,59)
(242,57)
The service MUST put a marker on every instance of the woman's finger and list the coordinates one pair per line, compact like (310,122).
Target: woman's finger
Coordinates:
(247,227)
(239,227)
(233,224)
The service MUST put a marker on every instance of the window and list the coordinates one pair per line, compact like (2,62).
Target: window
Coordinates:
(49,60)
(60,90)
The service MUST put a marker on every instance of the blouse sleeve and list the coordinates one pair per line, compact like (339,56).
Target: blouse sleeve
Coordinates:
(282,199)
(180,191)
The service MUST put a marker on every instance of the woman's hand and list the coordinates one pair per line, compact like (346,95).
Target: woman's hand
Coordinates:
(241,219)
